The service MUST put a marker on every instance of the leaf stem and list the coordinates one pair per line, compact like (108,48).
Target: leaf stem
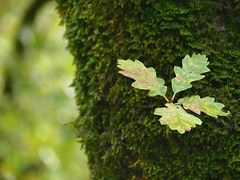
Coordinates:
(177,103)
(166,98)
(172,99)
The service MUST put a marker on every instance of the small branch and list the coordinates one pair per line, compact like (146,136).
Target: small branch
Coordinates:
(167,131)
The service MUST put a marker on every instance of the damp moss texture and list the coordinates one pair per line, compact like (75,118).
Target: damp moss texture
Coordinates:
(116,125)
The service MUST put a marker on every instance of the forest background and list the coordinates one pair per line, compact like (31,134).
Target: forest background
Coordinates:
(36,100)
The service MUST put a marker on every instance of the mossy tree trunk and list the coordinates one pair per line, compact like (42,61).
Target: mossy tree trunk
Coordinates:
(116,125)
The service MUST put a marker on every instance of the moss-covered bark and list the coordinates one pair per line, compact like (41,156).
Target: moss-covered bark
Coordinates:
(122,137)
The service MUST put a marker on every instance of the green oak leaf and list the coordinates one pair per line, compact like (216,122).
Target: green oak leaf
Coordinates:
(145,78)
(192,68)
(177,118)
(206,105)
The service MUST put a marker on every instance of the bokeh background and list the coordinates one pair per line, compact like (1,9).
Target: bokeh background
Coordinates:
(36,101)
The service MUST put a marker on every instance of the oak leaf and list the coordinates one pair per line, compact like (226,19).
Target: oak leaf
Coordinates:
(192,68)
(206,105)
(177,118)
(145,78)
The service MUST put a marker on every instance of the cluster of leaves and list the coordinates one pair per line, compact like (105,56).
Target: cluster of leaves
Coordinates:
(174,115)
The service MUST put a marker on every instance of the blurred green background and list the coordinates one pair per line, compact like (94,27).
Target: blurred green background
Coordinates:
(36,100)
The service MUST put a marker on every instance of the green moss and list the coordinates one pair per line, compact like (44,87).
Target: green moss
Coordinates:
(122,137)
